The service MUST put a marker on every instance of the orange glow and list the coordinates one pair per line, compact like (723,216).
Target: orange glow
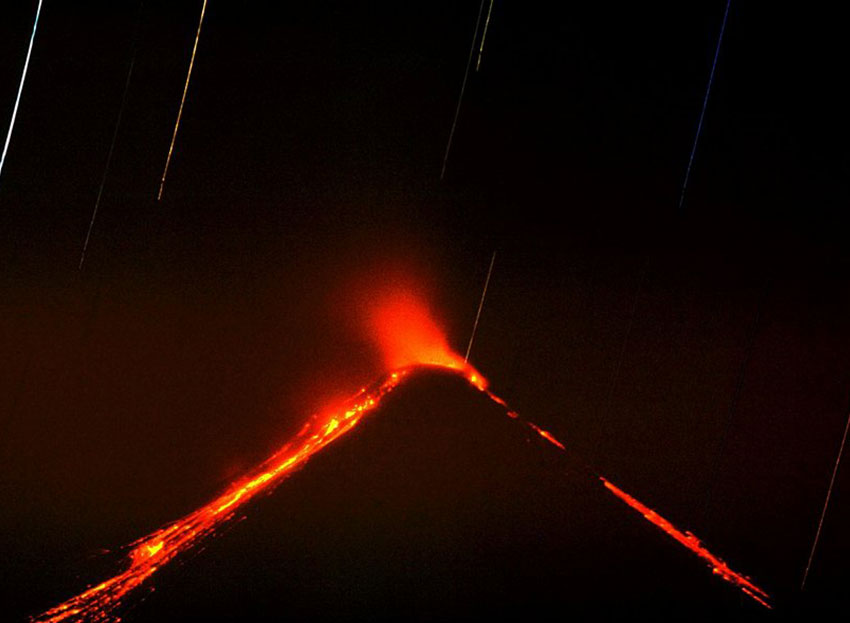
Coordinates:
(148,554)
(690,541)
(546,435)
(154,549)
(406,334)
(409,340)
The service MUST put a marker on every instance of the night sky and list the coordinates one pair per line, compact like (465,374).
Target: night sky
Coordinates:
(699,358)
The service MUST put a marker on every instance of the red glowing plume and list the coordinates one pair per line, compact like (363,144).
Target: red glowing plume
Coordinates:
(406,334)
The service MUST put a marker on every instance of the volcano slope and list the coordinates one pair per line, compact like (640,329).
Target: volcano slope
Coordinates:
(438,506)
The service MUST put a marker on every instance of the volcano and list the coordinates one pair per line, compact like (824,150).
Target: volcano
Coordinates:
(438,506)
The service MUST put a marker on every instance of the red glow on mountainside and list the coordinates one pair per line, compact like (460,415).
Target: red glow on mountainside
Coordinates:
(718,566)
(409,340)
(407,337)
(688,539)
(150,553)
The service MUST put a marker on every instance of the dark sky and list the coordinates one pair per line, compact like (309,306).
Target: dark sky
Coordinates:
(205,327)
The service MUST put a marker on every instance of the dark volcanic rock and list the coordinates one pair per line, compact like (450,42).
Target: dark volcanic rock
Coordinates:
(439,507)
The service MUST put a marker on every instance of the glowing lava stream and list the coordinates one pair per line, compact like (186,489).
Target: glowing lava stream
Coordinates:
(413,343)
(692,543)
(687,539)
(151,552)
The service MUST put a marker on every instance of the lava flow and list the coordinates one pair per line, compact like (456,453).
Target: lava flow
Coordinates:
(150,553)
(687,539)
(410,341)
(692,543)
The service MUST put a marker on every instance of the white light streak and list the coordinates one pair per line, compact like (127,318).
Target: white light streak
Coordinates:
(20,88)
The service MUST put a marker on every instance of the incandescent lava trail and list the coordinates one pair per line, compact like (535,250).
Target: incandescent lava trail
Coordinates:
(684,538)
(718,566)
(150,553)
(410,342)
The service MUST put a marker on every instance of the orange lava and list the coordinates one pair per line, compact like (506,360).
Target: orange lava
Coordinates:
(150,553)
(408,339)
(406,336)
(688,539)
(718,566)
(546,435)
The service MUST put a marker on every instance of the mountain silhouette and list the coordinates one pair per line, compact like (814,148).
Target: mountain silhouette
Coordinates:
(438,506)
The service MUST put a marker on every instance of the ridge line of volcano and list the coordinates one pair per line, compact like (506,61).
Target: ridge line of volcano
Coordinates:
(148,554)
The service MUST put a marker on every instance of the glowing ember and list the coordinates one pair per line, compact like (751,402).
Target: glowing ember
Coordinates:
(148,554)
(409,340)
(692,543)
(688,539)
(547,436)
